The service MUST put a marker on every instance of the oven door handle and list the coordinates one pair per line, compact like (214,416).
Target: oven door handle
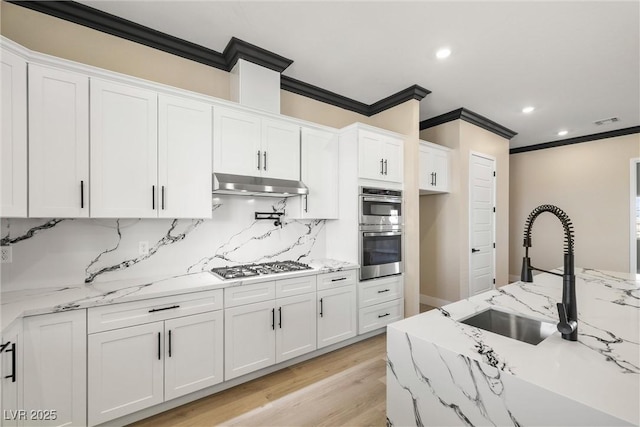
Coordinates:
(376,234)
(382,199)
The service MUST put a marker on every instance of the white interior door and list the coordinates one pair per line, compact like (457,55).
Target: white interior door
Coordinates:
(481,224)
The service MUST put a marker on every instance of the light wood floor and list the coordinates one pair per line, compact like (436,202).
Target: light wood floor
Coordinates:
(344,387)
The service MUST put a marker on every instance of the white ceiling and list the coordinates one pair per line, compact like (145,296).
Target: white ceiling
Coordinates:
(576,62)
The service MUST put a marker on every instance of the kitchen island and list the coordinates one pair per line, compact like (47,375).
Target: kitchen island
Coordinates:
(441,371)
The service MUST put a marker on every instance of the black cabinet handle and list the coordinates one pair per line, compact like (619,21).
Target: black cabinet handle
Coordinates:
(385,167)
(383,315)
(81,194)
(153,197)
(264,167)
(273,319)
(13,361)
(432,182)
(169,342)
(163,197)
(259,164)
(159,354)
(153,310)
(381,166)
(321,308)
(474,250)
(280,317)
(435,178)
(337,280)
(384,290)
(306,203)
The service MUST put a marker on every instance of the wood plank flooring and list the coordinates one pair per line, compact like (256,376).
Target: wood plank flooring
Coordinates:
(344,387)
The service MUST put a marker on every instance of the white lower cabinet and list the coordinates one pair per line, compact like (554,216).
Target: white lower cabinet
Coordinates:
(260,334)
(135,367)
(337,307)
(55,368)
(11,375)
(380,302)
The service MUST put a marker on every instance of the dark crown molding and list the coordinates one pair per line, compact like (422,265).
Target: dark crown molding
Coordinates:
(235,49)
(577,140)
(471,117)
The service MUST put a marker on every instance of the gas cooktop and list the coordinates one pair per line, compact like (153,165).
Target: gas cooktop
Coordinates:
(250,270)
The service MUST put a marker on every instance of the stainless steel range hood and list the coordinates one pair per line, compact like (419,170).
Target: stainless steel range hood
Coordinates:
(224,183)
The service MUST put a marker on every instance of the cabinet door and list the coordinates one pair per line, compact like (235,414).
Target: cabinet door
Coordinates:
(296,326)
(440,167)
(58,143)
(425,174)
(55,366)
(124,157)
(11,375)
(13,145)
(249,338)
(370,155)
(125,371)
(236,143)
(393,160)
(336,315)
(319,169)
(280,150)
(193,353)
(184,158)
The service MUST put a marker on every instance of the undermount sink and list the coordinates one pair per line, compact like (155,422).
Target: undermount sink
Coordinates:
(511,325)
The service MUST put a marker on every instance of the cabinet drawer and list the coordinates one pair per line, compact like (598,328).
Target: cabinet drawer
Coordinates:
(116,316)
(336,279)
(295,286)
(379,315)
(374,292)
(247,294)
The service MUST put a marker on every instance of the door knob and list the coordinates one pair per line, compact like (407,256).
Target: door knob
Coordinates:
(474,250)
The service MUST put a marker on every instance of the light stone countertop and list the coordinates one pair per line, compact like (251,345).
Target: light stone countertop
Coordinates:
(601,370)
(28,302)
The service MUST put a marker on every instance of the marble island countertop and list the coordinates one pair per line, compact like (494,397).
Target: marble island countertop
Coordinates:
(443,372)
(26,302)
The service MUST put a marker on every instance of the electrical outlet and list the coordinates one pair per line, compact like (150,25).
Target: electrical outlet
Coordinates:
(143,248)
(6,254)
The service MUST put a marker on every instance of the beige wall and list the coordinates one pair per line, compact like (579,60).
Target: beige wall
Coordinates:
(53,36)
(46,34)
(590,181)
(444,219)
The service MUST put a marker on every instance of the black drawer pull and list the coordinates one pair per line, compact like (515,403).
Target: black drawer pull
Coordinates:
(273,319)
(81,194)
(280,317)
(13,362)
(321,308)
(383,315)
(159,352)
(169,342)
(153,310)
(337,280)
(384,290)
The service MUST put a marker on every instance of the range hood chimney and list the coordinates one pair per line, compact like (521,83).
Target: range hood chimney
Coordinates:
(255,86)
(225,183)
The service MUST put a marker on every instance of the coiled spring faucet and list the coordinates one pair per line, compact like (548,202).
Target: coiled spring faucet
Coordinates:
(568,309)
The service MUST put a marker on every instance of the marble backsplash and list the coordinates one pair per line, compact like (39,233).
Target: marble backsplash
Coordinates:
(60,252)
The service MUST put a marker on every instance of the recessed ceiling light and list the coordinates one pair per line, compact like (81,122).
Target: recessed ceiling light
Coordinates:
(563,132)
(443,53)
(528,110)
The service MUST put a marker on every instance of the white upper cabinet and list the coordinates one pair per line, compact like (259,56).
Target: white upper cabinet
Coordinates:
(319,170)
(13,145)
(434,168)
(58,143)
(236,142)
(246,144)
(380,156)
(184,158)
(124,138)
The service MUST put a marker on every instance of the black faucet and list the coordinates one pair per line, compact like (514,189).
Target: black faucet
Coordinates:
(568,309)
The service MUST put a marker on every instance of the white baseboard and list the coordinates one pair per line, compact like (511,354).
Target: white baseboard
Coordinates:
(433,301)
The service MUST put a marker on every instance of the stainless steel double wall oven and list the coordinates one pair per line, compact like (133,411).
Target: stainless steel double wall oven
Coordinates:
(380,232)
